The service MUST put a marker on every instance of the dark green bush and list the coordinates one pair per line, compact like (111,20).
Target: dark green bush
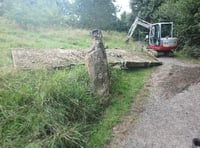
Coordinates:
(191,51)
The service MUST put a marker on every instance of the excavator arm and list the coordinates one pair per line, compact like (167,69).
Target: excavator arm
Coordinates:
(138,21)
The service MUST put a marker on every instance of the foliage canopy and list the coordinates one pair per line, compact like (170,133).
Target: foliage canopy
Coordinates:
(80,13)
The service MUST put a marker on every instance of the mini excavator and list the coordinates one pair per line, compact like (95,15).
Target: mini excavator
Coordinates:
(160,38)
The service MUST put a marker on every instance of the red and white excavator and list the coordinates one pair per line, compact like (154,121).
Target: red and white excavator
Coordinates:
(161,40)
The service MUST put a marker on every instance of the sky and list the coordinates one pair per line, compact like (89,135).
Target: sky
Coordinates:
(124,5)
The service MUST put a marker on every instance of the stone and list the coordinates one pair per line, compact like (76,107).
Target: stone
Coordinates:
(97,66)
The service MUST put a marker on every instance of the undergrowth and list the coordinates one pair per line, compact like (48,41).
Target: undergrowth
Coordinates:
(56,108)
(183,56)
(46,108)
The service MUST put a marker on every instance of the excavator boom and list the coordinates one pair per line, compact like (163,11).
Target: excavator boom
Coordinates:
(138,21)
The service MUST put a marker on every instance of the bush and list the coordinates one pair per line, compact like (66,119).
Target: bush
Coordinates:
(191,51)
(186,16)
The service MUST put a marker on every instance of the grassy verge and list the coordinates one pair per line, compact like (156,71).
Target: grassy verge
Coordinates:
(54,108)
(187,58)
(125,86)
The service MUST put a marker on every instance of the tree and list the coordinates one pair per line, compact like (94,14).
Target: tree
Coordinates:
(95,13)
(186,17)
(34,12)
(123,23)
(80,13)
(145,8)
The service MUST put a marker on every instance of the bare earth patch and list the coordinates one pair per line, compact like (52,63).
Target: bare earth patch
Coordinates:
(48,58)
(56,58)
(170,116)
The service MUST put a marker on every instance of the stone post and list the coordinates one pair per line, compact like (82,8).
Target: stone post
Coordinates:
(97,66)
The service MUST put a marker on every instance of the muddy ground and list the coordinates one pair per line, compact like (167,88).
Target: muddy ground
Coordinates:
(166,114)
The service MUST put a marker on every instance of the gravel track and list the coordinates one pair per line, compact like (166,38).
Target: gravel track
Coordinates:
(170,117)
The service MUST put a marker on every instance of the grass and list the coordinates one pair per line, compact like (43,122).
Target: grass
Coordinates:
(46,108)
(180,55)
(125,86)
(12,36)
(55,108)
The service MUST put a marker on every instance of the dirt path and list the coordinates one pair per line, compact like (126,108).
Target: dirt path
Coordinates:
(171,115)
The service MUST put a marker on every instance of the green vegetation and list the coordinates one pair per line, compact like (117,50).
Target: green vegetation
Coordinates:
(46,108)
(125,86)
(90,14)
(55,108)
(182,56)
(79,13)
(12,36)
(101,14)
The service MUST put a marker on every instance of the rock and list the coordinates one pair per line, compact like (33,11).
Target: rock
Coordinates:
(97,66)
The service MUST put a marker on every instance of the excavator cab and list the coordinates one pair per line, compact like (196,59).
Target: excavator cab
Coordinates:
(161,36)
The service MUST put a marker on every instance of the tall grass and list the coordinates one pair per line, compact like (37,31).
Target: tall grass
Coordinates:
(55,108)
(46,108)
